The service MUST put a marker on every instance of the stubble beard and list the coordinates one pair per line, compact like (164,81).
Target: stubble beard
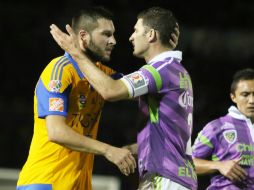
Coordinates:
(95,54)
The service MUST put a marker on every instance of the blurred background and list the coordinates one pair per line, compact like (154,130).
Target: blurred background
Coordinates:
(217,39)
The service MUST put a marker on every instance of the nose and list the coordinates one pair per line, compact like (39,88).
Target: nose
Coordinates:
(251,100)
(112,40)
(131,38)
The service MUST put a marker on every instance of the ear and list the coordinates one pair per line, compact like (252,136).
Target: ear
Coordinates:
(233,98)
(84,38)
(152,35)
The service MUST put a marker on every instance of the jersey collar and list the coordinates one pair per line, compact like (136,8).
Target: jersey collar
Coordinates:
(75,65)
(166,54)
(235,113)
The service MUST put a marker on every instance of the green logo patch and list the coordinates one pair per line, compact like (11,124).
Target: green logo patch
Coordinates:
(230,136)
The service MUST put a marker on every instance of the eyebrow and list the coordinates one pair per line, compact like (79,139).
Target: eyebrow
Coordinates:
(108,31)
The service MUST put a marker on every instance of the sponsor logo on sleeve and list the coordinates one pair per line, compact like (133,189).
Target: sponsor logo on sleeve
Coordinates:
(230,136)
(56,104)
(55,85)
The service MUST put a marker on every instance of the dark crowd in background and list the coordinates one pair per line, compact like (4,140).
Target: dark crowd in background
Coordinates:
(217,39)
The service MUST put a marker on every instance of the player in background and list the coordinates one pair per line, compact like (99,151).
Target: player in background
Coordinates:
(225,147)
(166,99)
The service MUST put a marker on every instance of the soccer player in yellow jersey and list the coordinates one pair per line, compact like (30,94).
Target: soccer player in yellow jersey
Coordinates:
(67,110)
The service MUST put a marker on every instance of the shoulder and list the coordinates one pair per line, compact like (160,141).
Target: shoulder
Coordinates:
(55,66)
(217,125)
(57,72)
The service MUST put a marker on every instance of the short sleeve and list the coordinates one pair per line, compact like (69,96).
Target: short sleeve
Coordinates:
(136,83)
(154,78)
(205,142)
(53,88)
(146,80)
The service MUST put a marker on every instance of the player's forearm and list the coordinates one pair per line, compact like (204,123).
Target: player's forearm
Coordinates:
(111,90)
(65,136)
(205,166)
(84,144)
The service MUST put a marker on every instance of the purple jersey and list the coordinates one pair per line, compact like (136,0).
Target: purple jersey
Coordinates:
(167,101)
(227,138)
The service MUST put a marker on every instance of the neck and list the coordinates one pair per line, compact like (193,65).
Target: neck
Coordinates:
(91,56)
(154,51)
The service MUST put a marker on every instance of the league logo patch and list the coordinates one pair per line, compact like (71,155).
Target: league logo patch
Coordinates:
(55,85)
(137,79)
(56,104)
(230,136)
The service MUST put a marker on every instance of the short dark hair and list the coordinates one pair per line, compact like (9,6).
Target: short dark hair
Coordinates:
(159,19)
(244,74)
(87,18)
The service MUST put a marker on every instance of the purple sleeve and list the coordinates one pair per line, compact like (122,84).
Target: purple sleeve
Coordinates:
(205,142)
(152,86)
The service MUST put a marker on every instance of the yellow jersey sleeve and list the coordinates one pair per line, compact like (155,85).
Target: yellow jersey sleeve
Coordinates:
(53,88)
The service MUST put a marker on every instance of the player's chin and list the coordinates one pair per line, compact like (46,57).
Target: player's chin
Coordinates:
(106,58)
(136,54)
(250,114)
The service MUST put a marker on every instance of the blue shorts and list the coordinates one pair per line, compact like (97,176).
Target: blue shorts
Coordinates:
(35,187)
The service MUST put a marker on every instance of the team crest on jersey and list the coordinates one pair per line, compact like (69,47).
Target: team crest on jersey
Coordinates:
(137,79)
(82,101)
(55,85)
(56,104)
(230,136)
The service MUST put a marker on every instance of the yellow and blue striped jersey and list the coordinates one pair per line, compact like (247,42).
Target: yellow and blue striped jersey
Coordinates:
(62,90)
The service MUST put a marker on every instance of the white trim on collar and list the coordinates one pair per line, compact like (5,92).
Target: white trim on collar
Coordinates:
(166,54)
(235,113)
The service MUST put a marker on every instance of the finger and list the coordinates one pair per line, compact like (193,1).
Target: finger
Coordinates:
(128,167)
(173,45)
(240,172)
(55,29)
(131,163)
(174,39)
(125,172)
(58,32)
(122,170)
(177,31)
(70,30)
(230,177)
(125,167)
(133,160)
(237,160)
(235,177)
(54,35)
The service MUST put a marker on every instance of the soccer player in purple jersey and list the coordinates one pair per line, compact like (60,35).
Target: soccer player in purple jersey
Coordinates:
(166,99)
(225,147)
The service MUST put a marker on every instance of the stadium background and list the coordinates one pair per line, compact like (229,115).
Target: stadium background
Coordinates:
(217,38)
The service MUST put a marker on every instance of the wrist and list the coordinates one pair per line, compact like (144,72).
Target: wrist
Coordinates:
(105,149)
(216,165)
